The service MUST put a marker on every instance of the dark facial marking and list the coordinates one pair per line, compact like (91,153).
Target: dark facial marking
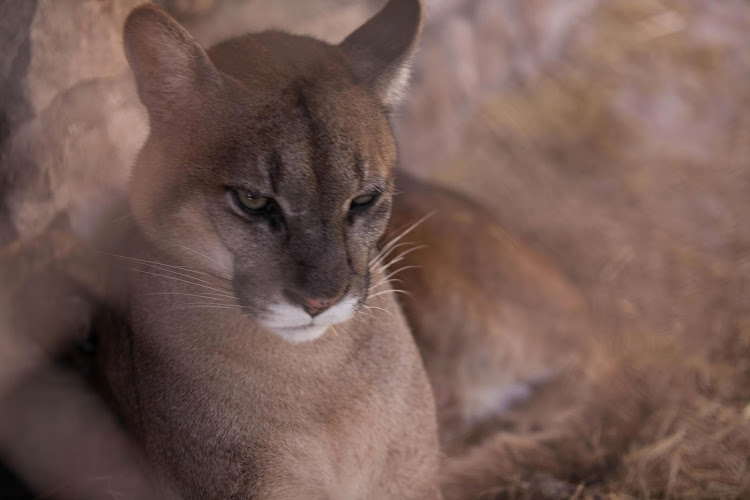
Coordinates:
(359,167)
(275,170)
(323,144)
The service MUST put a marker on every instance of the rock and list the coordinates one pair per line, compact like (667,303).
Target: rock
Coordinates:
(72,156)
(73,41)
(15,18)
(73,120)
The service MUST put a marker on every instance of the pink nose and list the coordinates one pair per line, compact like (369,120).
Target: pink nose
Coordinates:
(317,306)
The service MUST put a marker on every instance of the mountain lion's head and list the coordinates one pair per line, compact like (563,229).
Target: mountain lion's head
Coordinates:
(271,156)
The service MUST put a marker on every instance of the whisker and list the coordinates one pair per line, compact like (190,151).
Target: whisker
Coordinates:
(213,304)
(334,331)
(212,296)
(383,254)
(176,279)
(205,306)
(403,254)
(407,231)
(361,311)
(215,276)
(386,281)
(381,309)
(401,269)
(153,262)
(392,290)
(198,253)
(199,280)
(163,267)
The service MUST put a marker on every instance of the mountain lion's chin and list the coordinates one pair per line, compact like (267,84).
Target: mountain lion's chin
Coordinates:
(300,334)
(293,324)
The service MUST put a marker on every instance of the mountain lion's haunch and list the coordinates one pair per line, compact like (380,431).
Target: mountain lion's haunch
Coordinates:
(252,344)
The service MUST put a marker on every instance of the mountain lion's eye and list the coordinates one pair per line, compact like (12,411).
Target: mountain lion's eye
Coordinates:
(363,200)
(249,202)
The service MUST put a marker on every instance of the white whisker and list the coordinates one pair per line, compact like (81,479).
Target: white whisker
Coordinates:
(198,280)
(205,306)
(198,253)
(153,262)
(379,308)
(386,281)
(175,279)
(403,255)
(408,230)
(164,267)
(399,270)
(383,254)
(362,311)
(391,290)
(212,296)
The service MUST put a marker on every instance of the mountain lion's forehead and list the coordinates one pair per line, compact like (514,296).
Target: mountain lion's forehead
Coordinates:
(272,60)
(305,116)
(310,128)
(305,147)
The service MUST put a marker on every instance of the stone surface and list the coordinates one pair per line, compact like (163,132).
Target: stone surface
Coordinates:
(15,18)
(74,122)
(74,155)
(74,41)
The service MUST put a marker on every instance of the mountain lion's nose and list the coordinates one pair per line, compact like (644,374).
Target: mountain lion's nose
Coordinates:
(317,306)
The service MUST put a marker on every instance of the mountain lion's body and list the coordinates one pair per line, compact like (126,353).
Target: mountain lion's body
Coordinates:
(245,345)
(227,409)
(254,345)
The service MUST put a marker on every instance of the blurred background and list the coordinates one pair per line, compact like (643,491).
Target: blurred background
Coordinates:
(613,136)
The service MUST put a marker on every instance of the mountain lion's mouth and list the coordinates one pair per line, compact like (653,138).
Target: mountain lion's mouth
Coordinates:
(299,334)
(293,324)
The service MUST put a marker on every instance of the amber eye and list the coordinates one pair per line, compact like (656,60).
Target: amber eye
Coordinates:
(362,200)
(250,202)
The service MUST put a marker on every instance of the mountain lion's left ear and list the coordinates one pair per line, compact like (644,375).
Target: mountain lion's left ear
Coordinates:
(381,50)
(171,69)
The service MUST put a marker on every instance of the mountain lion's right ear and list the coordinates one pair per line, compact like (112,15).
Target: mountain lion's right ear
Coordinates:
(170,67)
(381,50)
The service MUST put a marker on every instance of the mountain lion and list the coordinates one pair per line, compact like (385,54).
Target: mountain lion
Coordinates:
(254,344)
(243,345)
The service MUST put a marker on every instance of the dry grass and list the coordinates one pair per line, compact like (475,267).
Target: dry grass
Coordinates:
(627,162)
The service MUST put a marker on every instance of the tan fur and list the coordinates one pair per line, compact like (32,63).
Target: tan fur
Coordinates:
(223,406)
(228,410)
(524,387)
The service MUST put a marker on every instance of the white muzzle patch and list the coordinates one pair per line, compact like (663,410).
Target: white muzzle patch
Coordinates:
(294,324)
